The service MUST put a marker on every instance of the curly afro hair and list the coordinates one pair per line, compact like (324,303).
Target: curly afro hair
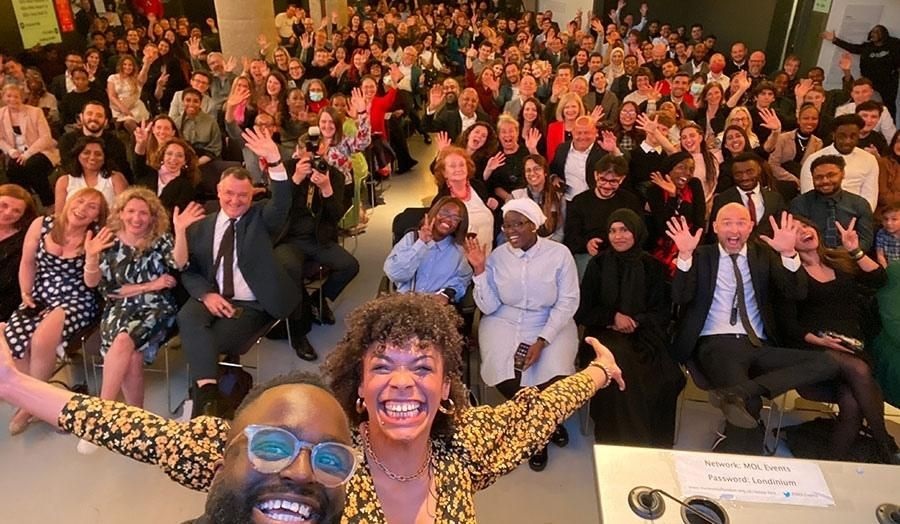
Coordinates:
(398,320)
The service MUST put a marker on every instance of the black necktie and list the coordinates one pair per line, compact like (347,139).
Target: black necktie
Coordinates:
(831,235)
(742,304)
(226,258)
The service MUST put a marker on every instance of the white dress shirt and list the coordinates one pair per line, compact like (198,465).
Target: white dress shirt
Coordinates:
(756,196)
(467,122)
(718,321)
(576,162)
(242,290)
(860,173)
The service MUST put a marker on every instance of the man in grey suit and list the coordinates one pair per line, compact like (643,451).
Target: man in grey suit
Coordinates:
(236,284)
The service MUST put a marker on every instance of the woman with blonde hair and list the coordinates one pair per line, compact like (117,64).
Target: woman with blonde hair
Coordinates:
(27,143)
(56,303)
(569,108)
(132,261)
(124,91)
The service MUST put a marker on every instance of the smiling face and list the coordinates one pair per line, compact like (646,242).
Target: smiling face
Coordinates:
(455,168)
(520,232)
(162,130)
(507,132)
(746,174)
(682,172)
(235,196)
(690,140)
(807,238)
(83,210)
(11,211)
(477,138)
(608,183)
(402,386)
(583,135)
(846,137)
(327,125)
(734,141)
(827,179)
(93,118)
(174,158)
(91,158)
(808,120)
(191,104)
(240,494)
(136,217)
(621,239)
(535,175)
(446,220)
(733,227)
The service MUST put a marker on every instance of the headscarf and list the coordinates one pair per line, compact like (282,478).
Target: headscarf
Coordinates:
(622,275)
(527,208)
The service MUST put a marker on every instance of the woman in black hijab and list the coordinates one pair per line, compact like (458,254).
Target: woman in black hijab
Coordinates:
(625,304)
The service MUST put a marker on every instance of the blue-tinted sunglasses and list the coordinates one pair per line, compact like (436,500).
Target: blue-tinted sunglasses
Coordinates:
(272,449)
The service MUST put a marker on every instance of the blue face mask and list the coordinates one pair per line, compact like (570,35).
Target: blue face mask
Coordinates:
(696,89)
(316,96)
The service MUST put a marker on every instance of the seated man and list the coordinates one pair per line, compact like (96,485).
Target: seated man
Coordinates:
(290,407)
(761,203)
(727,325)
(200,81)
(453,120)
(587,215)
(870,138)
(572,166)
(312,234)
(863,91)
(238,284)
(93,123)
(861,167)
(828,203)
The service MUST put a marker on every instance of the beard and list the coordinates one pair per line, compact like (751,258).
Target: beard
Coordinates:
(227,506)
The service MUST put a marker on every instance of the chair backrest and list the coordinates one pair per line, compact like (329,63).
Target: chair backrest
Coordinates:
(405,221)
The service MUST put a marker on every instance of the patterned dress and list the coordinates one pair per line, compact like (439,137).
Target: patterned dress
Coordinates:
(488,443)
(145,317)
(58,283)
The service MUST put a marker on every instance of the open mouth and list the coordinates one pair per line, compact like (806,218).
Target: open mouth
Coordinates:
(283,510)
(402,410)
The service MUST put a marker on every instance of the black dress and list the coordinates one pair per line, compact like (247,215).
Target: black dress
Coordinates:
(644,414)
(10,256)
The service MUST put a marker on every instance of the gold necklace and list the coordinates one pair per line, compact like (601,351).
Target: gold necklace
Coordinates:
(388,472)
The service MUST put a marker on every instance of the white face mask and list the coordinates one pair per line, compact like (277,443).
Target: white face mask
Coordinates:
(696,89)
(316,96)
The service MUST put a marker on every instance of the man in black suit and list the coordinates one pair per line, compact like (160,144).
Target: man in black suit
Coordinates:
(453,120)
(573,163)
(727,324)
(233,274)
(626,83)
(746,171)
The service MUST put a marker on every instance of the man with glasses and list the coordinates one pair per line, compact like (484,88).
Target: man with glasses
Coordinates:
(587,215)
(200,81)
(287,455)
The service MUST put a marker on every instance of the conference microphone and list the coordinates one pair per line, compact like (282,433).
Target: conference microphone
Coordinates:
(647,503)
(888,514)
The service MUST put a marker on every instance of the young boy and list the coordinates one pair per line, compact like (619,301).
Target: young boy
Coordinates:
(870,138)
(887,240)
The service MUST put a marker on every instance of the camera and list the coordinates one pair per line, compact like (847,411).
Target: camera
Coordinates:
(312,147)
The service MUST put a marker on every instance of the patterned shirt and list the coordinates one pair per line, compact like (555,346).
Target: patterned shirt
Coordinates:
(488,443)
(889,244)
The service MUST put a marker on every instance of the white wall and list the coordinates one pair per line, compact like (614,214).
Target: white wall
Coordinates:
(840,9)
(564,11)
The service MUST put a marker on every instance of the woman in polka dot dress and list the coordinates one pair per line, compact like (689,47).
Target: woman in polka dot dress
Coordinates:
(56,303)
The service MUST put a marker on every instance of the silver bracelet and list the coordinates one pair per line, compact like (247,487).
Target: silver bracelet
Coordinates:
(597,364)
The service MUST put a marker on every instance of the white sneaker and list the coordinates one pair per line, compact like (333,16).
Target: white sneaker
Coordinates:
(86,447)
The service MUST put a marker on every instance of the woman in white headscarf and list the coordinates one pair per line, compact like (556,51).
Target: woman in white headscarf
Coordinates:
(527,290)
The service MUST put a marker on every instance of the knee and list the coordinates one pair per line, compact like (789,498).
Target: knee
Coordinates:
(122,343)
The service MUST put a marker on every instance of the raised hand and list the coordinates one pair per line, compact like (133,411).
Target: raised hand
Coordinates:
(608,141)
(784,235)
(606,358)
(664,182)
(845,62)
(740,82)
(142,133)
(770,119)
(597,113)
(194,47)
(498,160)
(680,233)
(476,254)
(644,9)
(306,40)
(472,53)
(181,220)
(358,101)
(262,41)
(849,236)
(443,140)
(426,230)
(803,87)
(655,92)
(230,64)
(260,142)
(435,97)
(532,139)
(647,124)
(94,245)
(593,246)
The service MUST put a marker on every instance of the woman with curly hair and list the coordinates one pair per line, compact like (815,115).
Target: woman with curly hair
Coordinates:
(131,261)
(174,176)
(397,374)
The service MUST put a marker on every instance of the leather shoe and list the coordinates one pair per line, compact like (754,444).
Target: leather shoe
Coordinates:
(206,401)
(326,315)
(734,407)
(303,348)
(538,461)
(560,437)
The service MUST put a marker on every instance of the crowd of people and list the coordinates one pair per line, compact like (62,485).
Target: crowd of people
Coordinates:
(683,201)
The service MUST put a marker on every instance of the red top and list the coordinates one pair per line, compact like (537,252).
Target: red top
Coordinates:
(556,135)
(380,107)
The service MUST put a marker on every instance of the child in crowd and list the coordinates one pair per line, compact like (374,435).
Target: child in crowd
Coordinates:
(887,240)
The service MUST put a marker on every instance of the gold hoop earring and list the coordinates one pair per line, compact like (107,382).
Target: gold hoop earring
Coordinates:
(360,405)
(449,410)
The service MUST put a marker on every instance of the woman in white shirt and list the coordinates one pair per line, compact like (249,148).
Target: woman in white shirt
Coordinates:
(90,169)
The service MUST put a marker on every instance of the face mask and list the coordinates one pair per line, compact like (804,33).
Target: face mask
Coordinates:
(316,96)
(696,89)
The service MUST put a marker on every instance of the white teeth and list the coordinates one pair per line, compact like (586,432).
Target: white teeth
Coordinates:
(285,510)
(402,409)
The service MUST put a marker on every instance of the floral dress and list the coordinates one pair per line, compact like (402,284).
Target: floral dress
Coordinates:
(146,317)
(58,283)
(488,443)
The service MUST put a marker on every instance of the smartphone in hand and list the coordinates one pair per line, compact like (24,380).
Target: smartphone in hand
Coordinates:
(519,358)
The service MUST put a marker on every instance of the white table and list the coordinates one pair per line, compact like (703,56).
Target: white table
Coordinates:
(857,489)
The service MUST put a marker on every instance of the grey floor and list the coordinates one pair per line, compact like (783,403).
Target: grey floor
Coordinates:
(43,479)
